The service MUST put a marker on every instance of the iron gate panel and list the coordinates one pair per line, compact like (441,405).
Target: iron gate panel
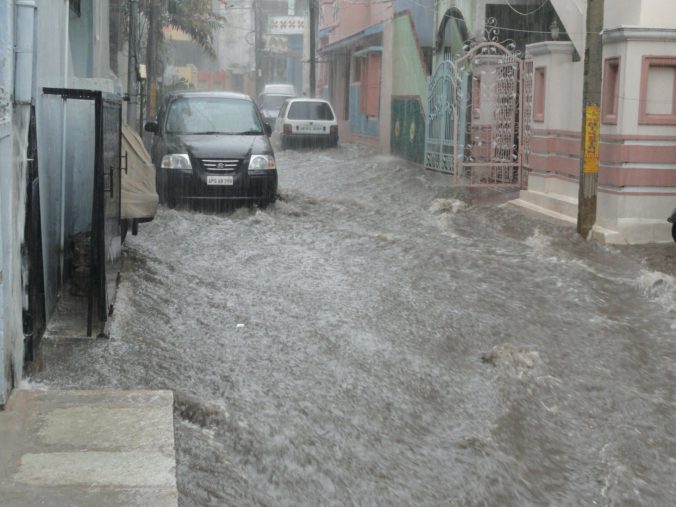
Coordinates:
(440,122)
(479,110)
(111,124)
(105,242)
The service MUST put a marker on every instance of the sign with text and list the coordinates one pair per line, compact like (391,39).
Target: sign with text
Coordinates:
(592,138)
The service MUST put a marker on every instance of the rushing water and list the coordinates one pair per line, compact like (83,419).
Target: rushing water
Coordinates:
(379,338)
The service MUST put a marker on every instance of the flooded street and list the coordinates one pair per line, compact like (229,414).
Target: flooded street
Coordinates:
(376,337)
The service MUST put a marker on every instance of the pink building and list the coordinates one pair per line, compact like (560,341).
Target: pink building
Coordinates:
(637,173)
(361,45)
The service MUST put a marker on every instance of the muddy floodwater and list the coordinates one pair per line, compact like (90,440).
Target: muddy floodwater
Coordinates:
(377,337)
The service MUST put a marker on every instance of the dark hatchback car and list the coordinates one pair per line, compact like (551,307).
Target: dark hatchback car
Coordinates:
(212,148)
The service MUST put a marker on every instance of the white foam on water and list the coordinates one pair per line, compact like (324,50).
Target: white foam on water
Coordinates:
(539,241)
(26,384)
(447,206)
(660,288)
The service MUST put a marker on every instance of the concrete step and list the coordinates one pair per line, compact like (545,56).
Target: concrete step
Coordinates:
(88,448)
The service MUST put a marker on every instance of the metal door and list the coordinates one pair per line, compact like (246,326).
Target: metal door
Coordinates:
(479,113)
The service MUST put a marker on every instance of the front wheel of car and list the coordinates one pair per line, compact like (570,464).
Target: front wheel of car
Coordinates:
(266,201)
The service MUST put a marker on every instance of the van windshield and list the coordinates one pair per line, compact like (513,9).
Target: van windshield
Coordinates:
(212,115)
(273,101)
(310,111)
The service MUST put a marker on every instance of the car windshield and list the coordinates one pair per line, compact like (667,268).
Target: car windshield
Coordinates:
(212,115)
(310,111)
(273,101)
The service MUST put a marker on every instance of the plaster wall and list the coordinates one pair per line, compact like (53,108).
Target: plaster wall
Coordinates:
(631,55)
(71,52)
(469,9)
(52,54)
(622,12)
(658,13)
(346,17)
(409,70)
(6,171)
(563,78)
(406,125)
(422,14)
(386,86)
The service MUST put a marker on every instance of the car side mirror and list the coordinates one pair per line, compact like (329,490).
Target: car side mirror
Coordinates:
(152,126)
(268,129)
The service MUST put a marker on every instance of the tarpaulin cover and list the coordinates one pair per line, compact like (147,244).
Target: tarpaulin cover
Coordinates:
(139,195)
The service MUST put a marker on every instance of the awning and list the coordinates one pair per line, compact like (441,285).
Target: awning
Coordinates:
(370,49)
(353,39)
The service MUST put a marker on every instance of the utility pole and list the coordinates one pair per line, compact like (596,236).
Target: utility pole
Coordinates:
(257,48)
(152,54)
(313,50)
(591,119)
(132,81)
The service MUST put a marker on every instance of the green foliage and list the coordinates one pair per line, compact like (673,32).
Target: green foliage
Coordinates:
(197,18)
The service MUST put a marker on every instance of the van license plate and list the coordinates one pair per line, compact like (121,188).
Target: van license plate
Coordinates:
(220,180)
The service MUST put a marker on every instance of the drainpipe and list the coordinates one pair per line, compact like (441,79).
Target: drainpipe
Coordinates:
(25,38)
(64,139)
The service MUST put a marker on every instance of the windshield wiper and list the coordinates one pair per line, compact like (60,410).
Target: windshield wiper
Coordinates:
(248,133)
(209,133)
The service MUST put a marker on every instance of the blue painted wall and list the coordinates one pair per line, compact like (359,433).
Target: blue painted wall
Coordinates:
(359,123)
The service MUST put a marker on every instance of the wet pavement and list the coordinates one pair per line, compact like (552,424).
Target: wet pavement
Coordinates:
(377,337)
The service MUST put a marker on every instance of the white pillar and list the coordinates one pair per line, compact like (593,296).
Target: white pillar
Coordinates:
(6,86)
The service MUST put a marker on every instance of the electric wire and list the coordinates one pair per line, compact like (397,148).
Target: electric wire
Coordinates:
(544,2)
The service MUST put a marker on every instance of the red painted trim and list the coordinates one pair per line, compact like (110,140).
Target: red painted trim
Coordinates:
(558,145)
(610,99)
(555,176)
(604,137)
(605,190)
(602,189)
(539,93)
(562,133)
(631,177)
(645,118)
(620,138)
(627,153)
(554,163)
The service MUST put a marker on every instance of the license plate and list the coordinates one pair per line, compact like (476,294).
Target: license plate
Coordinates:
(311,128)
(220,180)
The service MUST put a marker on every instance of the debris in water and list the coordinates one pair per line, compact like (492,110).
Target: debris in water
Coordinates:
(447,206)
(508,355)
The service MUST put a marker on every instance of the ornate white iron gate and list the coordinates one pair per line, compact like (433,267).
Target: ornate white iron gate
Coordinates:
(479,116)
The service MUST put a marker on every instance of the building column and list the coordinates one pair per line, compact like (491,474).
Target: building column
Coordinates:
(6,85)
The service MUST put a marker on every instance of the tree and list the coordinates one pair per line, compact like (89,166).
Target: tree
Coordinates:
(197,18)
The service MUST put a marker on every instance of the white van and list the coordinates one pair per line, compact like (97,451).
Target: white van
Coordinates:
(271,99)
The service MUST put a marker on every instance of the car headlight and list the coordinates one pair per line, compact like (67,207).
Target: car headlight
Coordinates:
(262,162)
(179,161)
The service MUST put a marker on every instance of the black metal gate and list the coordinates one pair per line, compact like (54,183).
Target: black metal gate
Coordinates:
(34,320)
(105,236)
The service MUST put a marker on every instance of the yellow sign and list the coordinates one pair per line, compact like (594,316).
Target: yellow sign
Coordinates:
(592,139)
